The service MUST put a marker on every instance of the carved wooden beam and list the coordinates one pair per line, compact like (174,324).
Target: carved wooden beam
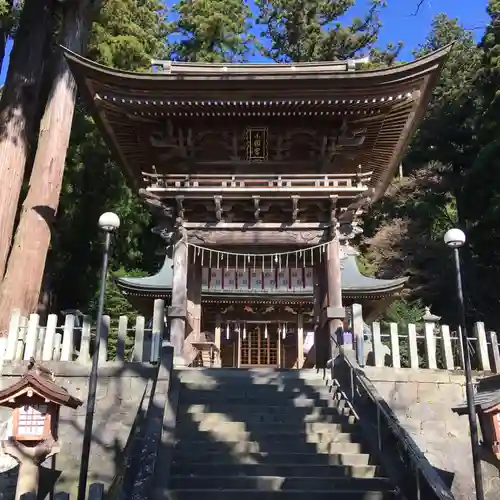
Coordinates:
(218,207)
(257,226)
(256,204)
(157,206)
(180,206)
(212,237)
(295,210)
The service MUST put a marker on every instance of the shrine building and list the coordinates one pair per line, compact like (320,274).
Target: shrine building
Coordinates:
(257,175)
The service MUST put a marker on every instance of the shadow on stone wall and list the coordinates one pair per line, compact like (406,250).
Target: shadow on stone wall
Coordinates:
(423,401)
(120,391)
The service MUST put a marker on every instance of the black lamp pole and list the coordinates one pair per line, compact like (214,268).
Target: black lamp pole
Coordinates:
(471,408)
(108,225)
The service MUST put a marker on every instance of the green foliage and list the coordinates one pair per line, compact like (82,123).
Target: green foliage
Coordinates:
(404,312)
(365,267)
(451,167)
(403,236)
(211,31)
(445,134)
(126,34)
(117,305)
(310,30)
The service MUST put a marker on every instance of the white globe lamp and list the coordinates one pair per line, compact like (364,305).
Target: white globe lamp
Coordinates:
(454,238)
(109,222)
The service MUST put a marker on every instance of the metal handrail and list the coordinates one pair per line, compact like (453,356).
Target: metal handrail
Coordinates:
(420,463)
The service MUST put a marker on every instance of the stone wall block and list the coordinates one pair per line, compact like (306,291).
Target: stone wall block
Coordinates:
(451,392)
(404,395)
(427,392)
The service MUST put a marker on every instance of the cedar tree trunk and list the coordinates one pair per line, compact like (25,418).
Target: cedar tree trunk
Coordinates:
(24,275)
(18,107)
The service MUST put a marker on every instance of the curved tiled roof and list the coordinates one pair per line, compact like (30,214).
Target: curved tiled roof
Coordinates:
(387,103)
(353,284)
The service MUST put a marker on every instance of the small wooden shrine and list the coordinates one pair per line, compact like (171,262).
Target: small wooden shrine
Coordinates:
(35,400)
(257,174)
(32,432)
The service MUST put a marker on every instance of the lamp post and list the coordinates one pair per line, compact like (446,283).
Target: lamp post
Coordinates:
(109,223)
(455,239)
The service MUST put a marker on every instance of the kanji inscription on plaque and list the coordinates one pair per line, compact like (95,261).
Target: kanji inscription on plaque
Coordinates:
(257,144)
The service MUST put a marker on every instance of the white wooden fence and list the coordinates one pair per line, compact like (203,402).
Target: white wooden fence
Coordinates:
(69,342)
(431,346)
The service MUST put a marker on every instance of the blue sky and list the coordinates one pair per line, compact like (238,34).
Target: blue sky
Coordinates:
(401,25)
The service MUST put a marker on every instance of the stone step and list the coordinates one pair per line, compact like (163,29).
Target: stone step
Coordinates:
(266,375)
(246,441)
(244,409)
(265,435)
(193,457)
(225,428)
(282,470)
(258,388)
(342,444)
(335,416)
(222,398)
(276,495)
(276,483)
(258,385)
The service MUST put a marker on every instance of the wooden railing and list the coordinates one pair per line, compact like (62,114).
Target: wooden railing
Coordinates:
(202,182)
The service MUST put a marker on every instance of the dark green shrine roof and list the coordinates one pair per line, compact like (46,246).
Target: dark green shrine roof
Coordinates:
(354,284)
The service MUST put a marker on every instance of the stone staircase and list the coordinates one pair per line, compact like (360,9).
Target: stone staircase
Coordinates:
(268,434)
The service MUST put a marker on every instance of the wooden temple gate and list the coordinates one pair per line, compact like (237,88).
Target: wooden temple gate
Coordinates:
(259,163)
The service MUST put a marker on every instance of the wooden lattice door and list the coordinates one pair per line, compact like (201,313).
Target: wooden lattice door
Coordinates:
(259,349)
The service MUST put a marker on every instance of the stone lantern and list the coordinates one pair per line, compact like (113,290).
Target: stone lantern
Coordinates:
(35,400)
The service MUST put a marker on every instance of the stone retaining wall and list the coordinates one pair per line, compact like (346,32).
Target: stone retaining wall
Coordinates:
(119,391)
(422,400)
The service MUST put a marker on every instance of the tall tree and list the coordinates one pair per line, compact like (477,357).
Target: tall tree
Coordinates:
(23,279)
(125,35)
(445,134)
(8,17)
(481,184)
(211,31)
(310,30)
(18,106)
(404,231)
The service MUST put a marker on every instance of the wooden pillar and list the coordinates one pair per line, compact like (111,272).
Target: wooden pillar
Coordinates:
(321,340)
(278,346)
(300,341)
(218,342)
(313,356)
(193,325)
(358,336)
(334,314)
(177,312)
(238,350)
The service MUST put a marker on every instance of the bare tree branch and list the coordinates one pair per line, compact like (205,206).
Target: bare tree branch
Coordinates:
(419,4)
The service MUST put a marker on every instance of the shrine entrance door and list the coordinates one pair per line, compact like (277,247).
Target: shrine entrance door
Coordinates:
(259,347)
